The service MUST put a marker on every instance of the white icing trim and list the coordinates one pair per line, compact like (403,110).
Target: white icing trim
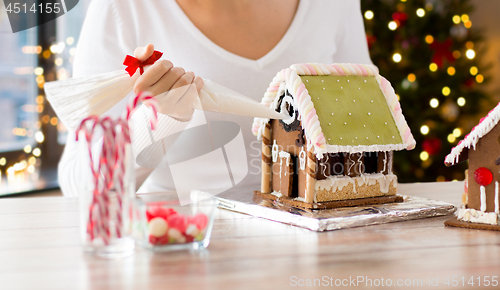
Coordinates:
(284,154)
(275,150)
(481,129)
(278,194)
(497,206)
(475,216)
(361,169)
(300,199)
(386,156)
(323,166)
(337,182)
(263,122)
(390,156)
(302,159)
(483,198)
(358,149)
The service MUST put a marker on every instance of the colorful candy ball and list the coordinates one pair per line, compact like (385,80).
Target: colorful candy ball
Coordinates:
(157,227)
(166,226)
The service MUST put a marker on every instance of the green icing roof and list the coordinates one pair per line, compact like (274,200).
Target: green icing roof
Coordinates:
(352,110)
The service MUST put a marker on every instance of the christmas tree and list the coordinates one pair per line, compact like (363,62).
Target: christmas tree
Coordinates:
(428,50)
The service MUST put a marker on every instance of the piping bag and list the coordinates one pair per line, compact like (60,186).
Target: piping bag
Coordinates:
(74,99)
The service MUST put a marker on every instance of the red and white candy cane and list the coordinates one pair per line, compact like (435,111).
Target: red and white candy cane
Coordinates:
(110,170)
(124,138)
(147,99)
(96,224)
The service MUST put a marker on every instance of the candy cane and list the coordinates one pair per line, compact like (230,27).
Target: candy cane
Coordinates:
(110,169)
(94,227)
(108,159)
(147,99)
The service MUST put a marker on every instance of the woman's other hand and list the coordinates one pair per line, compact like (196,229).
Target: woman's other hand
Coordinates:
(176,90)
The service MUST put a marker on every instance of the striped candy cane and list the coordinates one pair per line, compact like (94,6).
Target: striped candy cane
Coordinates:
(110,170)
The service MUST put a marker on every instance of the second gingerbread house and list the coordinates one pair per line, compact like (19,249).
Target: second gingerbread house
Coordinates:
(481,199)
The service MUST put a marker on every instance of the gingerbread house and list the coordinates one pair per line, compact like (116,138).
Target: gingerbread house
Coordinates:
(481,201)
(345,122)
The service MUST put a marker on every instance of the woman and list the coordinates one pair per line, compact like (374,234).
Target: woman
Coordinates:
(240,44)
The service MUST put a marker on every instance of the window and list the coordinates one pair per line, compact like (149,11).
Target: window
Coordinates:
(31,136)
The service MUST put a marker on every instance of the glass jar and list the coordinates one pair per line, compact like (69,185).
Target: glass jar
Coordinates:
(105,214)
(162,223)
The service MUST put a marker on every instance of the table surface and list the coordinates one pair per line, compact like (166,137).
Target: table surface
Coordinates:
(40,249)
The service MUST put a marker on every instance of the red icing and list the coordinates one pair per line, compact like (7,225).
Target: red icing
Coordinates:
(483,176)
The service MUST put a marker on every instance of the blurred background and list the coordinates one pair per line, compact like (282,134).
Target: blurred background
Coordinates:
(442,57)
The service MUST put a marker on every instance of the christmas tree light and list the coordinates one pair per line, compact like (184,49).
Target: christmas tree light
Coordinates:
(430,52)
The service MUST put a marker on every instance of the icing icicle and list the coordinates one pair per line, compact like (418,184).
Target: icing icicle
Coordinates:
(484,127)
(275,151)
(302,159)
(389,160)
(497,209)
(483,198)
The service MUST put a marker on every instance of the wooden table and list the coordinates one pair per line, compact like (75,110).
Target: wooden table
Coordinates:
(39,249)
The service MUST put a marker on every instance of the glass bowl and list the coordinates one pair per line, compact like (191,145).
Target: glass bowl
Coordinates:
(162,223)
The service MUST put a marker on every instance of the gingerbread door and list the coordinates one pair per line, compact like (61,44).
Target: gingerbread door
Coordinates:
(283,174)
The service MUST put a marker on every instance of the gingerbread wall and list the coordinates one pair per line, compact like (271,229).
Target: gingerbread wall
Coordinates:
(486,152)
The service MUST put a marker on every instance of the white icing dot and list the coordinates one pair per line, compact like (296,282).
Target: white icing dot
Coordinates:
(330,124)
(372,101)
(307,81)
(369,113)
(323,88)
(386,123)
(366,138)
(338,81)
(347,80)
(328,139)
(349,114)
(356,138)
(345,123)
(340,138)
(332,114)
(341,87)
(378,136)
(318,98)
(323,82)
(336,99)
(392,137)
(365,81)
(359,88)
(354,101)
(364,126)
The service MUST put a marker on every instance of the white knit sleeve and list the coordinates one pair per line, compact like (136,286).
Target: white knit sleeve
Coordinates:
(150,146)
(103,44)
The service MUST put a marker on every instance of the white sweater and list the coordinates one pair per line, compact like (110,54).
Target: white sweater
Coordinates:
(322,31)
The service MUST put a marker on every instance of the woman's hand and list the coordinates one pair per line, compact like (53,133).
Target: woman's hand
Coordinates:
(175,89)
